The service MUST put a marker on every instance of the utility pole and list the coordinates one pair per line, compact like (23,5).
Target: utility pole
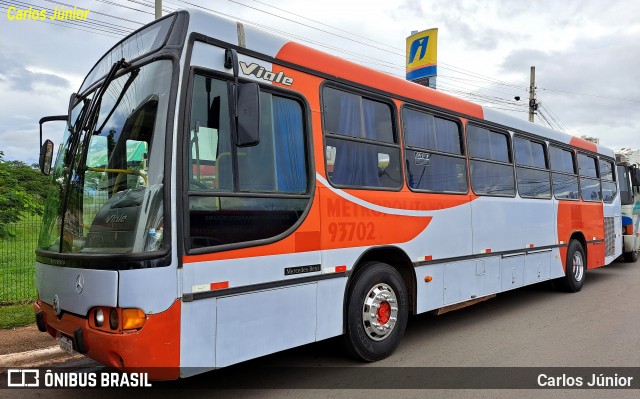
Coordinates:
(158,9)
(533,105)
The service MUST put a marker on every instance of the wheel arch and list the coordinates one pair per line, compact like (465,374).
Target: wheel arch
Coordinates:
(579,236)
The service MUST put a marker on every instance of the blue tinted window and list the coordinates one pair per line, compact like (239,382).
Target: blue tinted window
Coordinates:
(352,115)
(590,189)
(565,186)
(534,183)
(429,132)
(529,153)
(360,150)
(492,178)
(587,166)
(487,144)
(435,172)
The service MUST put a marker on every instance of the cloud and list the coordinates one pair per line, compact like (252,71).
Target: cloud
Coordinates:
(412,7)
(585,85)
(19,77)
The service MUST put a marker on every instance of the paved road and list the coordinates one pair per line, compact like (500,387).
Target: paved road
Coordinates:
(530,327)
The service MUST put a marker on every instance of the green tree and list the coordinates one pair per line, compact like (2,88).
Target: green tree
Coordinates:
(22,191)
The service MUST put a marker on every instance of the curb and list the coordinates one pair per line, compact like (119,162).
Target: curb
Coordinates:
(37,357)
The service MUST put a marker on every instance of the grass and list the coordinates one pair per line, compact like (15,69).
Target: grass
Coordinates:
(16,316)
(17,263)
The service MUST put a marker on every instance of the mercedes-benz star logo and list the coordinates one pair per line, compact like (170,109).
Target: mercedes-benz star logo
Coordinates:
(56,305)
(79,283)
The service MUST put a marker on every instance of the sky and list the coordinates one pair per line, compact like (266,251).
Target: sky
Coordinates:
(586,54)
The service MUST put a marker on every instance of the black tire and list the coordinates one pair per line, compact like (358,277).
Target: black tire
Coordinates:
(631,256)
(575,271)
(371,285)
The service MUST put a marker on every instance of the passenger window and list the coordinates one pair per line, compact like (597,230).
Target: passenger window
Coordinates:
(587,166)
(433,155)
(361,148)
(589,182)
(564,177)
(532,173)
(490,162)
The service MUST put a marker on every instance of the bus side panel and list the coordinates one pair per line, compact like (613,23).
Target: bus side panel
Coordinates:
(512,272)
(471,279)
(537,267)
(585,218)
(431,295)
(448,235)
(498,224)
(198,332)
(330,308)
(264,322)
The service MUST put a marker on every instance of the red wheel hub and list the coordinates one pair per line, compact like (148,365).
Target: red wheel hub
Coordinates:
(384,312)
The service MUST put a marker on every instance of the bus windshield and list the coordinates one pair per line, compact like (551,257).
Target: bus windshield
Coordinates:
(109,175)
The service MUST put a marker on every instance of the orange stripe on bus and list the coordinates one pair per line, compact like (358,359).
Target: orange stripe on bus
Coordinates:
(584,144)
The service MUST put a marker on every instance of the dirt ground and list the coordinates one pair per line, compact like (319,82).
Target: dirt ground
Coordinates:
(24,339)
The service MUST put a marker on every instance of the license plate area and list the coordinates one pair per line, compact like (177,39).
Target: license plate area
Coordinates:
(66,344)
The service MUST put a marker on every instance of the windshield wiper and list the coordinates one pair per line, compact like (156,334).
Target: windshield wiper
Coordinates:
(92,114)
(132,77)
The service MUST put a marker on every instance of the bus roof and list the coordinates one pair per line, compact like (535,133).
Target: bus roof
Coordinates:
(280,48)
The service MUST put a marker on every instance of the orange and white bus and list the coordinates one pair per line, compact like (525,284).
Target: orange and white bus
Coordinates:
(223,193)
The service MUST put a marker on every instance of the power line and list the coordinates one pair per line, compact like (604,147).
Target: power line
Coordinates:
(555,119)
(151,5)
(109,29)
(443,65)
(6,7)
(592,95)
(327,25)
(123,6)
(99,13)
(90,25)
(544,118)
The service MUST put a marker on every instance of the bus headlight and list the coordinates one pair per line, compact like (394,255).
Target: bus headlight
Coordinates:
(113,319)
(99,317)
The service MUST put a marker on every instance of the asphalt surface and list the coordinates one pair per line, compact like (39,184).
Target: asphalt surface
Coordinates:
(530,327)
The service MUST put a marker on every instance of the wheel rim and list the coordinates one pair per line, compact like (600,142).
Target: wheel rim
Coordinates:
(380,312)
(578,266)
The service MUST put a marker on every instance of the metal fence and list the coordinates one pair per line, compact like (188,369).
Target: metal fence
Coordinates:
(17,262)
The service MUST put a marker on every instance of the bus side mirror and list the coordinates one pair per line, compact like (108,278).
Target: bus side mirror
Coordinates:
(248,122)
(46,148)
(46,155)
(245,104)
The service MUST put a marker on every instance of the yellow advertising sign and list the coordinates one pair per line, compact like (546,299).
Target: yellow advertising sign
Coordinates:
(422,54)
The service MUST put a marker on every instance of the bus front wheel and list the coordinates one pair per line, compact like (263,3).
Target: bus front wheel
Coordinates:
(377,312)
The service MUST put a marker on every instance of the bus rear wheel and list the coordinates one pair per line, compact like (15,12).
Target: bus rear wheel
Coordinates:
(631,256)
(573,279)
(377,312)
